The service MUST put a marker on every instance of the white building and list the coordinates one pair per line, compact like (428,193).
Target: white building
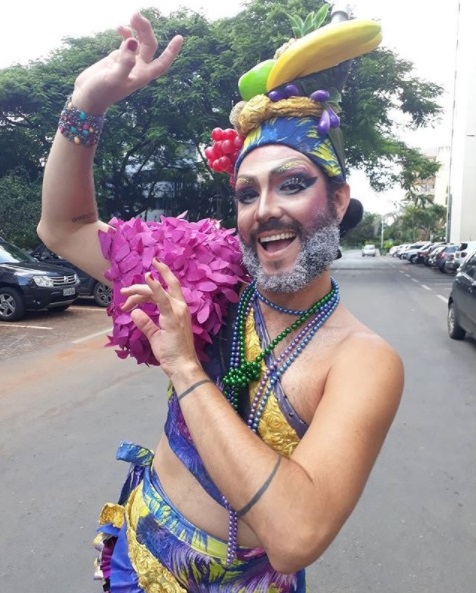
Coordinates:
(462,167)
(442,177)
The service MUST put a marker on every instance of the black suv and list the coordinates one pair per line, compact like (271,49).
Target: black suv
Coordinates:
(27,284)
(89,287)
(462,301)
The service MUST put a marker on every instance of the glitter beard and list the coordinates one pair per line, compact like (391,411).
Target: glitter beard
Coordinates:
(319,248)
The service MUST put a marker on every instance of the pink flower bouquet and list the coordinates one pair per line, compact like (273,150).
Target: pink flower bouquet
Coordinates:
(205,258)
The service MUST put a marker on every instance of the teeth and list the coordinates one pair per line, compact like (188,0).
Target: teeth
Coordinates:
(279,237)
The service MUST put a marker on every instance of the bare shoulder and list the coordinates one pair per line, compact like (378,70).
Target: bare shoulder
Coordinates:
(362,349)
(366,371)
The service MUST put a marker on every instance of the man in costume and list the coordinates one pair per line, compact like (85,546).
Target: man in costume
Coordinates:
(279,399)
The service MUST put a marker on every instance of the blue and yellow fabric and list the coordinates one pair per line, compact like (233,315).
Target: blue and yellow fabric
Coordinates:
(157,550)
(299,133)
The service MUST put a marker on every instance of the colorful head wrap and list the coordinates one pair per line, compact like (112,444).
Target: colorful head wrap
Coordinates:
(301,134)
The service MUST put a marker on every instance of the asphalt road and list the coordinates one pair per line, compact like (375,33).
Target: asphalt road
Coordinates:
(66,402)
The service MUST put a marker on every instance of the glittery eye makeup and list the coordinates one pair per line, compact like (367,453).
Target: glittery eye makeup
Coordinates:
(288,179)
(296,182)
(245,190)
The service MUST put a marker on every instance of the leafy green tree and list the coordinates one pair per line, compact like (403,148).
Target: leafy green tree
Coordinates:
(419,224)
(367,231)
(416,168)
(380,85)
(149,149)
(19,209)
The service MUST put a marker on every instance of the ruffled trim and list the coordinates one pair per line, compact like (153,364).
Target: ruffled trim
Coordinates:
(205,258)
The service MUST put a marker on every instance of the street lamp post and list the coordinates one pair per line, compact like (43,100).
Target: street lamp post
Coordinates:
(383,218)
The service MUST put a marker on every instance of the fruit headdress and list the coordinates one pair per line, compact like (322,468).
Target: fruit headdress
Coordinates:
(293,99)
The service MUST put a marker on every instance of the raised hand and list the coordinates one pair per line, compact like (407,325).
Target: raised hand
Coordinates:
(172,339)
(126,69)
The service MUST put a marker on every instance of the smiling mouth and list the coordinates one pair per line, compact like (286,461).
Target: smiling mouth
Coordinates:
(274,243)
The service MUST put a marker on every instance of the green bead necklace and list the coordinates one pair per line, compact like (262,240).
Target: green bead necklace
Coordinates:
(243,371)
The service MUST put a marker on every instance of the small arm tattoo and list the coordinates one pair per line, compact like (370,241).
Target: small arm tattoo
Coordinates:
(261,491)
(89,217)
(192,388)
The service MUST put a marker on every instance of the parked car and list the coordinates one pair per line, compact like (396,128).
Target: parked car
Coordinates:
(403,250)
(26,284)
(441,255)
(430,257)
(397,249)
(427,254)
(424,251)
(464,249)
(89,287)
(369,250)
(411,253)
(462,301)
(393,250)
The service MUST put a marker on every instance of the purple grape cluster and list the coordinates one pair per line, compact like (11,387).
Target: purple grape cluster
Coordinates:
(329,118)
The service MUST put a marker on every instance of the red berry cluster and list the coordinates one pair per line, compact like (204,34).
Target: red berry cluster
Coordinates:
(226,146)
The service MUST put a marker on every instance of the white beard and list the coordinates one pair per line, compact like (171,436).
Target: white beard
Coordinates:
(319,249)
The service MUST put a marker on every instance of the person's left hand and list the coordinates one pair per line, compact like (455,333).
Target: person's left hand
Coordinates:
(171,340)
(126,69)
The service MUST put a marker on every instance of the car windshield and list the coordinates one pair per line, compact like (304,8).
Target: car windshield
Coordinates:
(9,254)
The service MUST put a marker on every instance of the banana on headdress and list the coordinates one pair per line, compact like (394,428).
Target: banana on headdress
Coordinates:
(322,49)
(317,51)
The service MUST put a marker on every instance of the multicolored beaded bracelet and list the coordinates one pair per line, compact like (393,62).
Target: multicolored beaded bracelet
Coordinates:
(80,127)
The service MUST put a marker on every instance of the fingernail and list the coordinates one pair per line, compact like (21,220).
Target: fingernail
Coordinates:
(131,44)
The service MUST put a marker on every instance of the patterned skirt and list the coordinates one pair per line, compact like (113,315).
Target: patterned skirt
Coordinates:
(147,546)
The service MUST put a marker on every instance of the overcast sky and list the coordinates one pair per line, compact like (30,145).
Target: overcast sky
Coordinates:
(422,31)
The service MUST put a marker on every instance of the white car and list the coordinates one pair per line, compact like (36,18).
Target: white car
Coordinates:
(393,250)
(369,250)
(455,260)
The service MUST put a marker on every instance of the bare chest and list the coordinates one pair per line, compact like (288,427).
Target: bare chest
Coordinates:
(303,379)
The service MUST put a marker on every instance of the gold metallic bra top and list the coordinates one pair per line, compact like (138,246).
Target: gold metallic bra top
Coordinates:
(274,426)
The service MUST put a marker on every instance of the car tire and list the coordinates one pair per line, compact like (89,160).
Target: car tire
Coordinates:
(102,294)
(455,331)
(413,259)
(12,307)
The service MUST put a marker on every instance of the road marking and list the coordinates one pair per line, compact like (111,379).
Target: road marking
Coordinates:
(78,308)
(91,336)
(439,296)
(29,326)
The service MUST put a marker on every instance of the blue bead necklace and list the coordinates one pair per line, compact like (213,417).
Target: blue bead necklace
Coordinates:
(243,372)
(279,366)
(276,307)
